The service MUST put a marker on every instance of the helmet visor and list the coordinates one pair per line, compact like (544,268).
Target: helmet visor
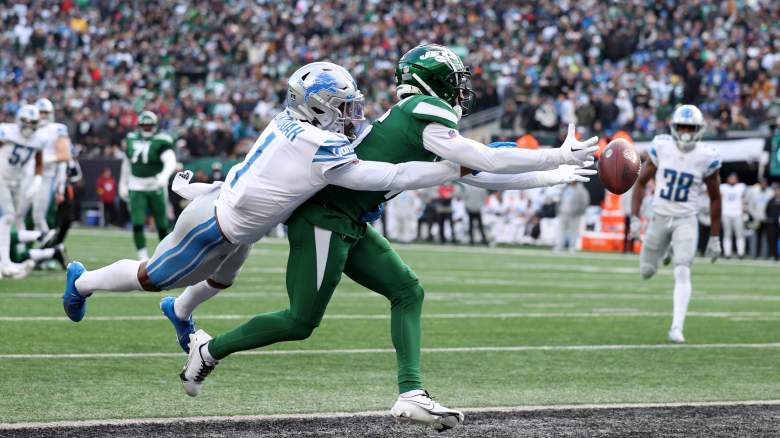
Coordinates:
(465,96)
(353,110)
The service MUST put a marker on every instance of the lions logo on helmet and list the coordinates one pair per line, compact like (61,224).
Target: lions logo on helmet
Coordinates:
(27,118)
(687,127)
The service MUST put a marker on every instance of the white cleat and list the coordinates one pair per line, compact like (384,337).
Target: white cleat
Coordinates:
(420,408)
(676,335)
(197,367)
(18,270)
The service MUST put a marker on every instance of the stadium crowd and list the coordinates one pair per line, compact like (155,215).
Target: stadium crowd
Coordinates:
(210,69)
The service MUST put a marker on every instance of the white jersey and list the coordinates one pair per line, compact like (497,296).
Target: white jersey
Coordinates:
(732,196)
(285,167)
(48,135)
(680,175)
(17,153)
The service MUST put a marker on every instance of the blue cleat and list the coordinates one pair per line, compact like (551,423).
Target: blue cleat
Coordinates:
(184,328)
(73,302)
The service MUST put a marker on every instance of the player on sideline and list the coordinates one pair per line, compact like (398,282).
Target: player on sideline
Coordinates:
(733,193)
(56,154)
(20,158)
(301,151)
(148,164)
(680,163)
(328,234)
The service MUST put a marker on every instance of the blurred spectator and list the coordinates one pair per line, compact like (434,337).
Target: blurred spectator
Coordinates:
(444,210)
(733,198)
(574,200)
(773,217)
(222,65)
(474,200)
(757,199)
(107,192)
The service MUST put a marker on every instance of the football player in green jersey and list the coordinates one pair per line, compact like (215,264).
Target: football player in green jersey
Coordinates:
(148,163)
(328,234)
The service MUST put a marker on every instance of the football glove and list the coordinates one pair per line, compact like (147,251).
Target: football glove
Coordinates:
(566,174)
(124,193)
(577,152)
(713,249)
(635,227)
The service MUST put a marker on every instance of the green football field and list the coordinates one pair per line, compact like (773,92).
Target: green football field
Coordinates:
(502,327)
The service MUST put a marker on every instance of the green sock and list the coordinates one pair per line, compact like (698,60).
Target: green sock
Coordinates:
(405,331)
(138,236)
(262,330)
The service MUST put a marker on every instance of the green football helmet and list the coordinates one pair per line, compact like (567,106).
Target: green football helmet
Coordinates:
(147,123)
(435,70)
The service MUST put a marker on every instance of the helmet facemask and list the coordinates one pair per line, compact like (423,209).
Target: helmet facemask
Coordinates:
(686,135)
(465,97)
(27,126)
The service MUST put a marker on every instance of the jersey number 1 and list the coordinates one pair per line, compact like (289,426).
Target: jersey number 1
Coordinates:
(677,185)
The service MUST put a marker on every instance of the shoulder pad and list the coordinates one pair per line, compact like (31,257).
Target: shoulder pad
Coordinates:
(163,136)
(432,109)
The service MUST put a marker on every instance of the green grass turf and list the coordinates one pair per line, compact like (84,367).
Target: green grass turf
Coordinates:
(475,297)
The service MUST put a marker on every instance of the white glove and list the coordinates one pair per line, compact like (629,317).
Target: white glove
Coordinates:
(577,152)
(124,193)
(32,190)
(566,173)
(636,226)
(713,249)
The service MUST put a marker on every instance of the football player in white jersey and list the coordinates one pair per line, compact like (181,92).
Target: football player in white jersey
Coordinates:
(56,154)
(680,163)
(733,194)
(20,159)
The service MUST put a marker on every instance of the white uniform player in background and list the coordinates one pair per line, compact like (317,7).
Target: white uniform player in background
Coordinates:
(56,154)
(301,151)
(733,195)
(21,165)
(680,163)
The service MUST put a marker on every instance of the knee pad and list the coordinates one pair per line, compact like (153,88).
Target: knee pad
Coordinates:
(682,273)
(301,330)
(647,271)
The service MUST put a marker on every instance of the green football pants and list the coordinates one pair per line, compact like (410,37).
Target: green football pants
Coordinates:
(140,203)
(316,261)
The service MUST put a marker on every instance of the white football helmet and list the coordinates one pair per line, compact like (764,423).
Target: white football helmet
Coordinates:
(46,110)
(325,95)
(687,116)
(27,118)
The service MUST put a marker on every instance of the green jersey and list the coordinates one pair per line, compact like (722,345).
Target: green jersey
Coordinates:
(145,154)
(396,137)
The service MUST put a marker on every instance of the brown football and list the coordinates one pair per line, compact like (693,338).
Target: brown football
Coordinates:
(619,166)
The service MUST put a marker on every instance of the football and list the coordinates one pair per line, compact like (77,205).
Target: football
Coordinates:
(619,166)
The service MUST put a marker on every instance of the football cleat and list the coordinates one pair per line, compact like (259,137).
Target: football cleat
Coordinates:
(17,270)
(73,302)
(61,256)
(197,367)
(668,256)
(676,335)
(420,408)
(184,328)
(47,240)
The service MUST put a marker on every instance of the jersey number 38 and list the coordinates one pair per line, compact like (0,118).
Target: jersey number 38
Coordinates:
(677,185)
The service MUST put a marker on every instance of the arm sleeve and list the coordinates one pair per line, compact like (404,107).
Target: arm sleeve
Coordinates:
(378,176)
(492,181)
(450,145)
(61,176)
(168,159)
(124,175)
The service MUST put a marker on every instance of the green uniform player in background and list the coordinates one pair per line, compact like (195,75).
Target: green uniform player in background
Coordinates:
(329,235)
(148,163)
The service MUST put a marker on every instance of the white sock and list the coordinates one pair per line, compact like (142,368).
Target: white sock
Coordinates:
(682,295)
(41,254)
(27,235)
(192,297)
(120,276)
(412,393)
(142,255)
(206,354)
(5,241)
(741,246)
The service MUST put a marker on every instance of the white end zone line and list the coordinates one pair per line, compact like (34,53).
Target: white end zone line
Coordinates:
(276,417)
(497,349)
